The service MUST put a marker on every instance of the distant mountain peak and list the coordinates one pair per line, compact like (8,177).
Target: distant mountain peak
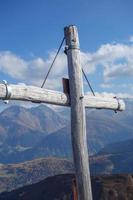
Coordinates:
(14,108)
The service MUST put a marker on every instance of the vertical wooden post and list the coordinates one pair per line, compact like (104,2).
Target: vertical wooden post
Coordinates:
(78,121)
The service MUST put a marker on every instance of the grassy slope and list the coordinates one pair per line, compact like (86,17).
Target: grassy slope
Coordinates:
(16,175)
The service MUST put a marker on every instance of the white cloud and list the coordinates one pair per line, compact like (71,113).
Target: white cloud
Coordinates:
(12,65)
(87,62)
(114,60)
(112,95)
(33,71)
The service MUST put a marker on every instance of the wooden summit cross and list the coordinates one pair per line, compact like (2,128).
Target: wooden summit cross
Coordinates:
(76,100)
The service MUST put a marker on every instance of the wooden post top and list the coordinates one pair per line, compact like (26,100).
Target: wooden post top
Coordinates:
(71,36)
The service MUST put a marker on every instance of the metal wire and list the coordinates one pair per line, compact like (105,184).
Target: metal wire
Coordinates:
(53,62)
(88,83)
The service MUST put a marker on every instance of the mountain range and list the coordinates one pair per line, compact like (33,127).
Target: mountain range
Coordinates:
(112,133)
(25,127)
(26,134)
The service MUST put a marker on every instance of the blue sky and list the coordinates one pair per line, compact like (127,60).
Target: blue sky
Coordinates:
(31,31)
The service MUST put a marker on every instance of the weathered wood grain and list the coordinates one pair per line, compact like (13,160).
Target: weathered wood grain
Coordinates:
(36,94)
(78,121)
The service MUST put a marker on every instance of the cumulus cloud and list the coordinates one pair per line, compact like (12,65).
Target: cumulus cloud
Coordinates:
(12,64)
(32,71)
(114,60)
(118,62)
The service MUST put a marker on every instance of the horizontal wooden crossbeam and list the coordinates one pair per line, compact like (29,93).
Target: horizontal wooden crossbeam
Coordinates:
(40,95)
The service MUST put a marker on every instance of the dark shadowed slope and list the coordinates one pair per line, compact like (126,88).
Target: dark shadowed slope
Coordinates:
(119,187)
